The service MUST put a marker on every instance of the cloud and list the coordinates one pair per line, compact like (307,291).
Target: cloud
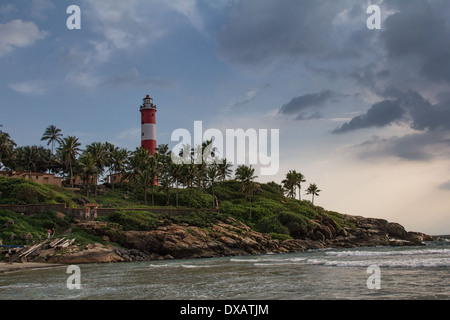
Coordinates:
(187,8)
(133,78)
(445,186)
(19,34)
(299,104)
(421,114)
(248,96)
(123,24)
(29,88)
(40,8)
(430,124)
(413,147)
(419,33)
(304,116)
(379,115)
(258,32)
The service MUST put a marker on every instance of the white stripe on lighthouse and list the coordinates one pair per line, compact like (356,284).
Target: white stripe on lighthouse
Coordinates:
(148,131)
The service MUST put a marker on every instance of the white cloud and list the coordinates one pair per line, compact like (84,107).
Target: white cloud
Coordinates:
(19,34)
(189,9)
(30,87)
(127,24)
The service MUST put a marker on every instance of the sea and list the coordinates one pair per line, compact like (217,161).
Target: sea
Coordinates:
(385,273)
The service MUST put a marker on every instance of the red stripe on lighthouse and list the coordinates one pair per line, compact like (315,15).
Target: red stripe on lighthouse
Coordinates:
(148,125)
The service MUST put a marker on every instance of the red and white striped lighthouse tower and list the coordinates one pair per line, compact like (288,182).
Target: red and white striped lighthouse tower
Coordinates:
(148,124)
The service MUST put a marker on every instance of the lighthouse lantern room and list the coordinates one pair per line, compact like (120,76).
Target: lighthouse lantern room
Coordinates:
(148,125)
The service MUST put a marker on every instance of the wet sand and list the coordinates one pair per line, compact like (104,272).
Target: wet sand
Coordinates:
(8,267)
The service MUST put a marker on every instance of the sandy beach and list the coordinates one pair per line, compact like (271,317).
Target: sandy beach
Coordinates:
(8,267)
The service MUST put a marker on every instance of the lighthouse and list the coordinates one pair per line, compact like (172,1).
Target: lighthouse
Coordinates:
(148,125)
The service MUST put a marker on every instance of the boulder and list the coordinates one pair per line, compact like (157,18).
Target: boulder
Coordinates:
(94,255)
(396,231)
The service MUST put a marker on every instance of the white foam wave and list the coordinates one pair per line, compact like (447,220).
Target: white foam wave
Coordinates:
(197,266)
(165,265)
(407,263)
(280,262)
(269,261)
(389,253)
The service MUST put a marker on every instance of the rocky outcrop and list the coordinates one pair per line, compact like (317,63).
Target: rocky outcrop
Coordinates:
(229,238)
(233,238)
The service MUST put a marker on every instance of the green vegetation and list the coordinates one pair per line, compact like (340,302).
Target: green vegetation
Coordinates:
(23,191)
(146,180)
(21,229)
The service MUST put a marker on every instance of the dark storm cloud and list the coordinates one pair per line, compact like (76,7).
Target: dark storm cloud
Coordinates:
(259,32)
(422,115)
(404,63)
(304,116)
(431,122)
(419,32)
(298,104)
(379,115)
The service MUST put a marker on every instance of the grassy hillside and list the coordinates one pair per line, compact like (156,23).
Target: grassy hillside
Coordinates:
(270,211)
(21,191)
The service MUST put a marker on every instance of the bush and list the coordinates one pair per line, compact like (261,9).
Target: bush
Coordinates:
(281,237)
(198,219)
(228,190)
(237,211)
(271,224)
(22,191)
(263,207)
(299,226)
(195,197)
(135,220)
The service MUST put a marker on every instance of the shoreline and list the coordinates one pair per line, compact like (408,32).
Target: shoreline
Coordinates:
(6,267)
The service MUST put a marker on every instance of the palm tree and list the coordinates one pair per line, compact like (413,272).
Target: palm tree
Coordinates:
(189,175)
(6,146)
(175,171)
(246,175)
(224,169)
(213,174)
(289,184)
(143,170)
(299,178)
(99,154)
(135,165)
(87,169)
(154,168)
(52,134)
(118,159)
(314,190)
(29,158)
(68,150)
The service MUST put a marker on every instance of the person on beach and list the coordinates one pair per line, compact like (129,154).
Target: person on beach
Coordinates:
(53,232)
(49,233)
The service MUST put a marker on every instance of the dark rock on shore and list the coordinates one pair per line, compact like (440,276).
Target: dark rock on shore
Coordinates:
(230,238)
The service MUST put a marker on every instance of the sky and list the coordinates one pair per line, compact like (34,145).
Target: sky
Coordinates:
(363,113)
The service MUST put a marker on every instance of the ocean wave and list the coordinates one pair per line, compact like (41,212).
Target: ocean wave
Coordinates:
(268,260)
(165,265)
(388,253)
(281,262)
(406,263)
(198,266)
